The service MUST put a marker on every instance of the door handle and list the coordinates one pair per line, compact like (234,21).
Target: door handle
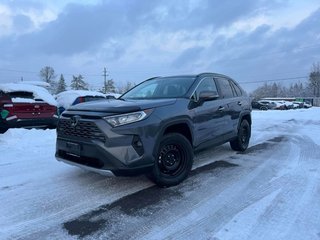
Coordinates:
(221,108)
(239,103)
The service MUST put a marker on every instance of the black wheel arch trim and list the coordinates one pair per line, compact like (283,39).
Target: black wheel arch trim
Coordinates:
(245,115)
(165,126)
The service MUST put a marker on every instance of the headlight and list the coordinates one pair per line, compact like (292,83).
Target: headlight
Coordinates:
(127,118)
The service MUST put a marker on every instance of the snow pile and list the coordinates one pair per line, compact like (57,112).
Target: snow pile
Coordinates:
(38,92)
(22,100)
(38,83)
(66,98)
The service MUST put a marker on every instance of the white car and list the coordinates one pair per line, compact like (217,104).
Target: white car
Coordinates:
(286,104)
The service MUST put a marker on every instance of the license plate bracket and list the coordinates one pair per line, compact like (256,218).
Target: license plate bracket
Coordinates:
(73,148)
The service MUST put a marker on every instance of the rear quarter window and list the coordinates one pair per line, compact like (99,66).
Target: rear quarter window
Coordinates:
(225,87)
(236,89)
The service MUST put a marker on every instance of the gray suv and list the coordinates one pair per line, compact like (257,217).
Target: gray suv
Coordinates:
(155,127)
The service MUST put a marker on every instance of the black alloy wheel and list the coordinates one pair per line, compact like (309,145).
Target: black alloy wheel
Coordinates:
(173,161)
(242,140)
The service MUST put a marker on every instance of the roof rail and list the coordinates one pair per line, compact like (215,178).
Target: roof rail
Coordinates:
(204,73)
(152,78)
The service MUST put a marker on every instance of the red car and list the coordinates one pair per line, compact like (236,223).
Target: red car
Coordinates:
(23,105)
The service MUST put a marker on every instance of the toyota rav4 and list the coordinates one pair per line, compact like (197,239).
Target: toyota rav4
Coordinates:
(155,127)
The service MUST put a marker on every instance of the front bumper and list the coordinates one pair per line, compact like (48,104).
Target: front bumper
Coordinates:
(98,147)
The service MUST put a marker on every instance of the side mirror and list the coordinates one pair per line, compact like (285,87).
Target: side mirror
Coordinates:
(203,96)
(208,95)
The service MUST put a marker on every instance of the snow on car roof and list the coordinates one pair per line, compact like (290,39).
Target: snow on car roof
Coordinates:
(38,92)
(66,98)
(38,83)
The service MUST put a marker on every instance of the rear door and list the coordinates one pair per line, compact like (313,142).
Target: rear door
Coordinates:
(232,95)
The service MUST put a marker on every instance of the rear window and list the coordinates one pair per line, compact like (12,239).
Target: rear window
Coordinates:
(92,98)
(21,94)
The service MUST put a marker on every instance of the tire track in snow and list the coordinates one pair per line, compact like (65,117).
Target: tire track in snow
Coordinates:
(253,187)
(287,212)
(144,219)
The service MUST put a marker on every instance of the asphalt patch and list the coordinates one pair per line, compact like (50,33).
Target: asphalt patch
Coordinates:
(277,139)
(211,166)
(140,204)
(83,228)
(143,203)
(264,146)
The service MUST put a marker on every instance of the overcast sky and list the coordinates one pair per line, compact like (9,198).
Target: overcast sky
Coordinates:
(249,40)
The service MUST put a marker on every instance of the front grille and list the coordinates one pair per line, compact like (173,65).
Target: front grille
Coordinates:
(83,129)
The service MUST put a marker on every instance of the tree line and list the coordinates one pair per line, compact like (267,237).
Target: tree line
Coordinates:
(47,74)
(310,88)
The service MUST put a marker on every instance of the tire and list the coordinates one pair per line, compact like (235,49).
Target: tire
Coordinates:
(173,162)
(263,108)
(242,140)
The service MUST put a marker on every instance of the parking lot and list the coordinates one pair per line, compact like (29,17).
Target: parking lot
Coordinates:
(269,192)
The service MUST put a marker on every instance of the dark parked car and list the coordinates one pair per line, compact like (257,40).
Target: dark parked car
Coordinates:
(72,97)
(259,105)
(155,127)
(24,105)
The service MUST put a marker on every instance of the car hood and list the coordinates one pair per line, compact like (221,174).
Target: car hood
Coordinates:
(121,106)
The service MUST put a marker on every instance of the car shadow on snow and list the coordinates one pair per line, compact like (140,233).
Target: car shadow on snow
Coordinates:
(146,202)
(143,203)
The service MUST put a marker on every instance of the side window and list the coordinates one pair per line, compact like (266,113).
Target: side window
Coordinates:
(206,84)
(236,89)
(226,89)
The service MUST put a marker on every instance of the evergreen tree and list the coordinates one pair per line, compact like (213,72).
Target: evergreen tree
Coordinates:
(62,86)
(108,87)
(78,83)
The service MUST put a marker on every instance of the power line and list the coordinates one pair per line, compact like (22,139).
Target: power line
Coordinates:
(33,72)
(276,80)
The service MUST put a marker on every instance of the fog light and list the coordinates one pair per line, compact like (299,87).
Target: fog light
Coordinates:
(137,145)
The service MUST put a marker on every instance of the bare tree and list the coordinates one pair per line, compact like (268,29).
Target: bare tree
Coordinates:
(314,79)
(127,87)
(47,74)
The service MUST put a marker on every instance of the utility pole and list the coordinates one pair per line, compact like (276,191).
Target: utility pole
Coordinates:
(105,79)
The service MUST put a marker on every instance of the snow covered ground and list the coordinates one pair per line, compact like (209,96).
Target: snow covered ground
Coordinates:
(270,192)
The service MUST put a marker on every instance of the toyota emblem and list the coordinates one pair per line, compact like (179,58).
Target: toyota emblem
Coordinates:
(74,120)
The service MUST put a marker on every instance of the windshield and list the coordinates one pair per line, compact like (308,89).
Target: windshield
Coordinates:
(171,87)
